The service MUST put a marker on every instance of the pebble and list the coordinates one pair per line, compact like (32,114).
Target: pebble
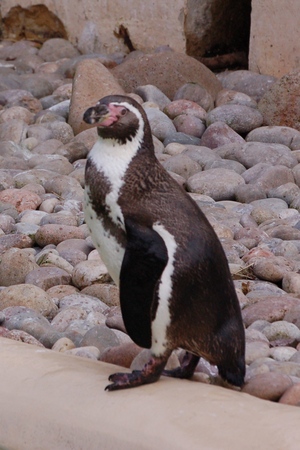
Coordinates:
(268,386)
(29,296)
(208,133)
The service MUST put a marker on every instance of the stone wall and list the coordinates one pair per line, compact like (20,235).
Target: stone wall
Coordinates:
(275,37)
(93,22)
(198,27)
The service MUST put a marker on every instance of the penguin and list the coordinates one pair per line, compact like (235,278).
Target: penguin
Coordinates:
(176,290)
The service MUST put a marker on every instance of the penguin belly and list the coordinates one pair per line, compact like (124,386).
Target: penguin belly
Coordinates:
(109,249)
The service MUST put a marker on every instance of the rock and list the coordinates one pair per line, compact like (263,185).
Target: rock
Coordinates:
(15,130)
(20,97)
(59,130)
(277,135)
(66,187)
(59,291)
(29,296)
(290,283)
(218,134)
(63,344)
(122,355)
(143,358)
(282,331)
(66,316)
(182,165)
(92,81)
(90,304)
(189,124)
(271,269)
(195,93)
(20,199)
(220,184)
(150,93)
(229,97)
(204,156)
(107,293)
(160,124)
(17,112)
(57,48)
(90,272)
(268,177)
(101,337)
(253,84)
(115,320)
(291,396)
(15,240)
(255,350)
(268,386)
(90,352)
(286,191)
(278,106)
(36,84)
(46,277)
(151,69)
(188,107)
(181,138)
(54,234)
(6,223)
(60,218)
(282,353)
(240,118)
(252,153)
(22,336)
(270,308)
(15,265)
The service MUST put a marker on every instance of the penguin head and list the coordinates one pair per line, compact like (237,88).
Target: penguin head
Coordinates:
(120,118)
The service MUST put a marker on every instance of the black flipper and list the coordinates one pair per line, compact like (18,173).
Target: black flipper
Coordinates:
(144,260)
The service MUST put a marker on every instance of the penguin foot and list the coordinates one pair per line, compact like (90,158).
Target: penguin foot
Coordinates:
(150,373)
(186,369)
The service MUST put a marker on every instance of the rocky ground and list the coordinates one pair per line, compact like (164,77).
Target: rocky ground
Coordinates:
(222,137)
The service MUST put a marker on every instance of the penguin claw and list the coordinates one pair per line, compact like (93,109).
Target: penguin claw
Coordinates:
(125,380)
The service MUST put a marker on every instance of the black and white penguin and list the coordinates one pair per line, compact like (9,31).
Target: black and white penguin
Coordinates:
(176,290)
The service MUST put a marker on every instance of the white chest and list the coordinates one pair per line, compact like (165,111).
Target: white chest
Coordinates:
(110,250)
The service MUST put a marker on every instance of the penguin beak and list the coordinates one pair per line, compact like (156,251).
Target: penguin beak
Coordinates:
(97,115)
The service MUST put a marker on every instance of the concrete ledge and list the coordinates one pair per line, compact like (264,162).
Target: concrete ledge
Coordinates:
(54,401)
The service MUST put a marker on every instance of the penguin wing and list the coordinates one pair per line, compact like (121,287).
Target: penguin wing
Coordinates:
(144,260)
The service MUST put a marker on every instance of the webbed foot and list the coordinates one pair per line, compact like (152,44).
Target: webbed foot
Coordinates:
(186,368)
(149,374)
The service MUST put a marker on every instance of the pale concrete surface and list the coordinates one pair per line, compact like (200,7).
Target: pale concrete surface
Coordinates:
(274,37)
(51,401)
(150,23)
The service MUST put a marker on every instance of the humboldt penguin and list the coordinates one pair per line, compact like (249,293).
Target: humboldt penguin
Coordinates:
(176,289)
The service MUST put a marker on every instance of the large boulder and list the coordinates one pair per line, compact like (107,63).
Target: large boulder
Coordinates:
(280,105)
(168,71)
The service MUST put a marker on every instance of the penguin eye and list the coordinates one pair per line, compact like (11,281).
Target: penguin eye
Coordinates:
(123,111)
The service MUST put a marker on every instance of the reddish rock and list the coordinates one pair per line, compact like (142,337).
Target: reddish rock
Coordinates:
(279,105)
(122,355)
(219,134)
(156,69)
(54,234)
(291,396)
(107,293)
(46,277)
(15,240)
(269,386)
(22,336)
(20,199)
(271,308)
